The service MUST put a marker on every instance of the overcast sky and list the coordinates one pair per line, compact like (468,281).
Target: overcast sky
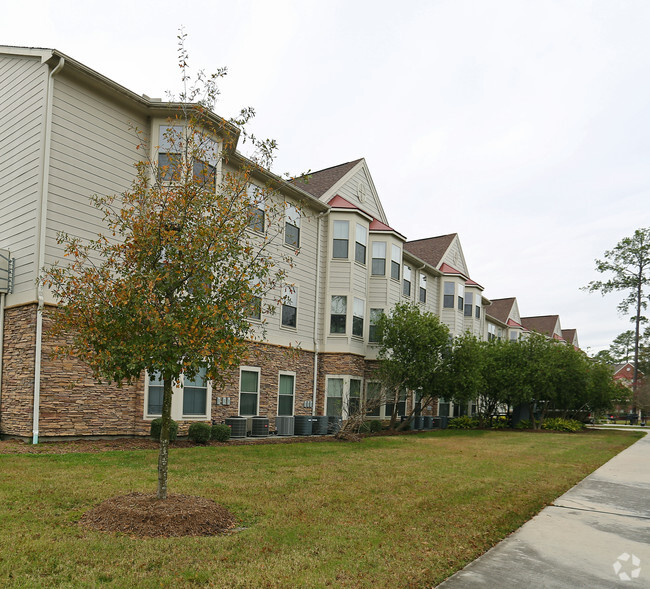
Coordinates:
(522,125)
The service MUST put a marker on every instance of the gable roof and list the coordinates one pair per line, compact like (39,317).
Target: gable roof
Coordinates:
(544,324)
(500,308)
(319,182)
(447,269)
(569,335)
(430,249)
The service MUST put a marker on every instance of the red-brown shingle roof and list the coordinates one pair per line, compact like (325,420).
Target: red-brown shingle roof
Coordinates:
(318,183)
(543,324)
(430,249)
(500,308)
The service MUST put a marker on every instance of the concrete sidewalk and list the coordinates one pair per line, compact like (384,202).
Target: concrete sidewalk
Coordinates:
(595,535)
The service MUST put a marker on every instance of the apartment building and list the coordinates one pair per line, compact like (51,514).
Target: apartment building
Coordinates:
(66,133)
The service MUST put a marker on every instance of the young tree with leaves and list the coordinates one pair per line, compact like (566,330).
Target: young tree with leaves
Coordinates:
(628,267)
(171,284)
(414,350)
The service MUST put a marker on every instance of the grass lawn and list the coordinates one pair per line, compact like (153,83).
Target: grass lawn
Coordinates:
(389,512)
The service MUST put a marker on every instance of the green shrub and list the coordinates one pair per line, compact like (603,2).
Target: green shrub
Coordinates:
(199,432)
(501,422)
(375,426)
(220,432)
(364,428)
(524,424)
(156,426)
(464,422)
(563,425)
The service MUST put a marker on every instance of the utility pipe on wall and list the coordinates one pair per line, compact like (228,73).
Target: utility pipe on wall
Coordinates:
(41,246)
(317,298)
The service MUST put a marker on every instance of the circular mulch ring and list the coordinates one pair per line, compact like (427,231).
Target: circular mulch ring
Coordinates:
(143,515)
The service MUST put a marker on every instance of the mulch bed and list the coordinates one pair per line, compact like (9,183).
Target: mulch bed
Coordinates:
(143,516)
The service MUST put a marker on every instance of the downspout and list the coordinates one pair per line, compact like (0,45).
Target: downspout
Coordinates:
(316,301)
(41,247)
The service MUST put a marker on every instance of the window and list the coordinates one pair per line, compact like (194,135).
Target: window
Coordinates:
(514,336)
(395,262)
(289,306)
(378,258)
(443,407)
(375,314)
(256,208)
(334,397)
(360,245)
(255,309)
(169,154)
(338,314)
(469,301)
(155,400)
(406,289)
(448,299)
(249,388)
(423,288)
(477,309)
(461,295)
(291,225)
(401,404)
(358,311)
(492,332)
(341,236)
(354,402)
(285,394)
(373,399)
(195,394)
(205,173)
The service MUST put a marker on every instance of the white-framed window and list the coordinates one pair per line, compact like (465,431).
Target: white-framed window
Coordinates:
(358,312)
(448,297)
(334,401)
(390,404)
(469,302)
(373,401)
(514,335)
(406,289)
(492,332)
(461,297)
(249,390)
(395,262)
(195,394)
(291,225)
(378,267)
(354,398)
(341,239)
(477,308)
(423,288)
(257,208)
(155,394)
(286,392)
(375,314)
(289,306)
(338,314)
(361,244)
(170,143)
(190,401)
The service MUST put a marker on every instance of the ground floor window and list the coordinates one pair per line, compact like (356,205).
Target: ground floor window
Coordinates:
(390,404)
(285,394)
(191,399)
(249,388)
(354,401)
(373,399)
(195,394)
(334,403)
(155,397)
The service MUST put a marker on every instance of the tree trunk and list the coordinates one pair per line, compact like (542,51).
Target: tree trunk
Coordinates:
(163,455)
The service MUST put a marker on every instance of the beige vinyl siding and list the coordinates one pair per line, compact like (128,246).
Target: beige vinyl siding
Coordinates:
(93,151)
(349,191)
(455,258)
(22,96)
(302,275)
